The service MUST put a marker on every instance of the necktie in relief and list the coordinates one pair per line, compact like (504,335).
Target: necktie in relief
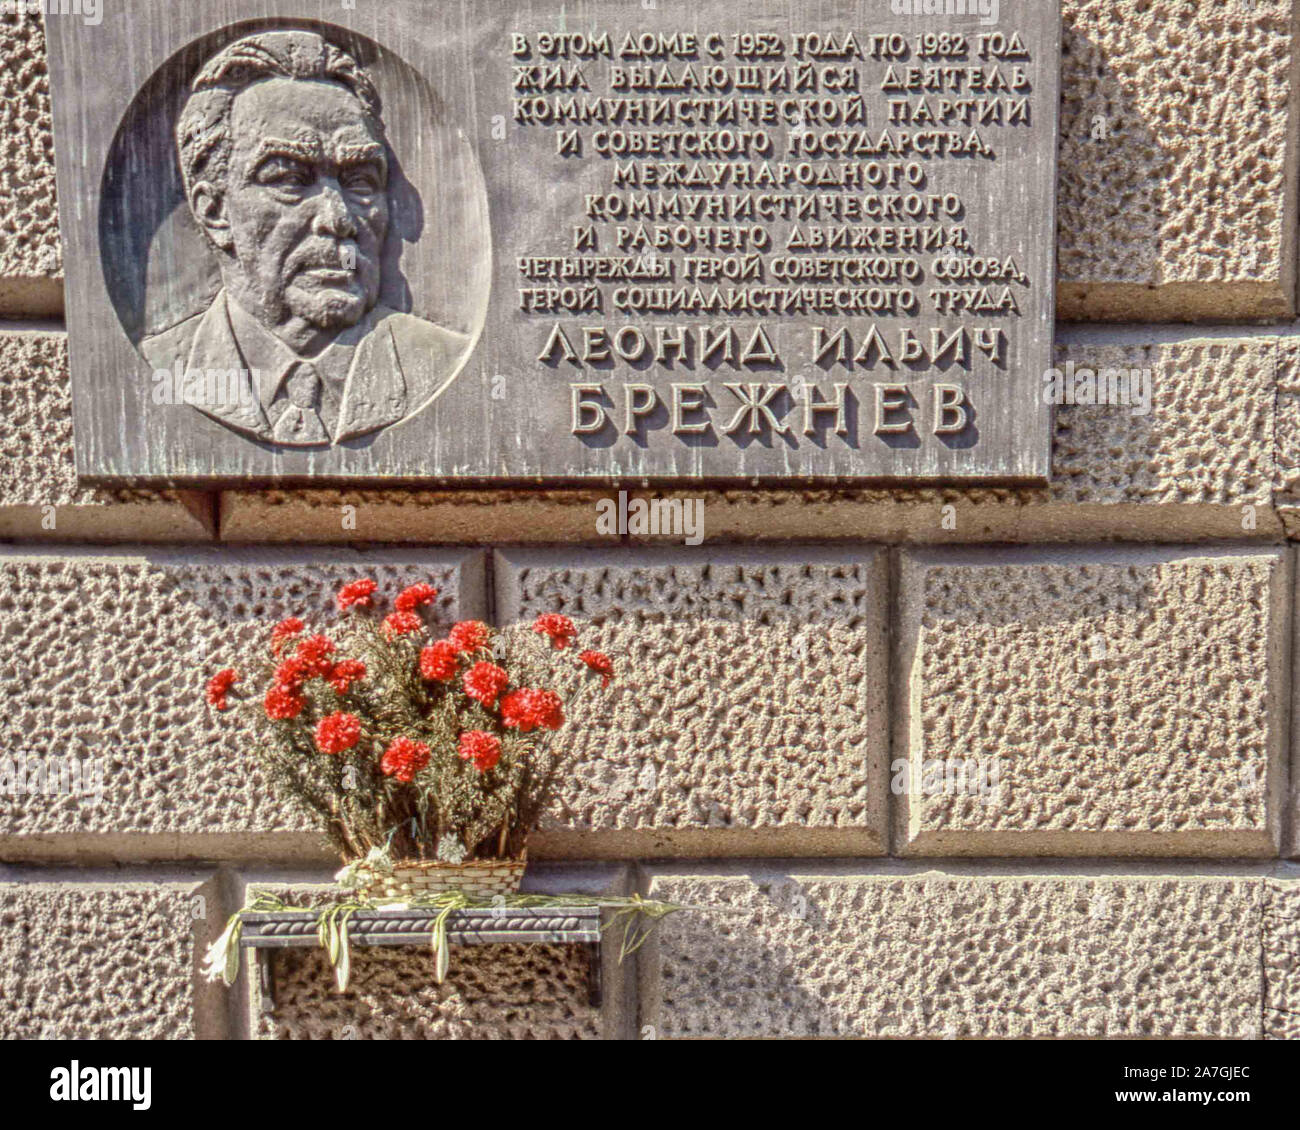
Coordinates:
(300,423)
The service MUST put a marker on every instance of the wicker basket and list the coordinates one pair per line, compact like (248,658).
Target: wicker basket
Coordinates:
(479,878)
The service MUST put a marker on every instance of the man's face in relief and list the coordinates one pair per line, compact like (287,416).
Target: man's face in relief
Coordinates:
(307,203)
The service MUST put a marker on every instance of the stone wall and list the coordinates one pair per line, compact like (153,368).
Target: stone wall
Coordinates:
(1116,647)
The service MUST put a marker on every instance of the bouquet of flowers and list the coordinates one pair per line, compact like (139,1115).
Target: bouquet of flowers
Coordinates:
(420,759)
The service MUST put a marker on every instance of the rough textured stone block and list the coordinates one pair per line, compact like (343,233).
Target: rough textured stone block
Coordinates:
(1206,442)
(106,657)
(1290,516)
(461,517)
(1185,207)
(39,494)
(31,262)
(1287,388)
(1199,465)
(748,716)
(1131,702)
(1282,961)
(498,992)
(107,956)
(504,992)
(949,954)
(1293,848)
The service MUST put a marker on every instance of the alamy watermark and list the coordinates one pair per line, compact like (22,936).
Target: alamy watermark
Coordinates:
(651,517)
(987,10)
(1079,384)
(76,1083)
(89,10)
(948,776)
(35,775)
(209,388)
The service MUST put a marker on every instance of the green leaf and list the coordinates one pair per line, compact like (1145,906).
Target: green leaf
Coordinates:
(231,970)
(442,958)
(441,950)
(332,936)
(343,970)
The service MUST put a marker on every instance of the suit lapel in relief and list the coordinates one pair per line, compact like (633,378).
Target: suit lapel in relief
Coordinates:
(215,347)
(375,394)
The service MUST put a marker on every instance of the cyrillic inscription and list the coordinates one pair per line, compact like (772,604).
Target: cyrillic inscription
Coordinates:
(797,201)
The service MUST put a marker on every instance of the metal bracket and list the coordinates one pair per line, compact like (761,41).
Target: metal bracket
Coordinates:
(388,926)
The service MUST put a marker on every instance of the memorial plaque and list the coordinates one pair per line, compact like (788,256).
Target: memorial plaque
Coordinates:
(480,241)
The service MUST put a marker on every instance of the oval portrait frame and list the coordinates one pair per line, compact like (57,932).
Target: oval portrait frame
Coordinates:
(436,263)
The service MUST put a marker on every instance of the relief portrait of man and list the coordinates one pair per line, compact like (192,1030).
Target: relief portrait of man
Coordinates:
(285,169)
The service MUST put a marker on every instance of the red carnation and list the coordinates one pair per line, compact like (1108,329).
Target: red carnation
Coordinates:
(468,635)
(439,661)
(601,663)
(357,594)
(485,682)
(283,703)
(292,673)
(284,630)
(480,747)
(345,674)
(408,600)
(401,624)
(404,759)
(314,654)
(337,732)
(529,710)
(559,628)
(219,686)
